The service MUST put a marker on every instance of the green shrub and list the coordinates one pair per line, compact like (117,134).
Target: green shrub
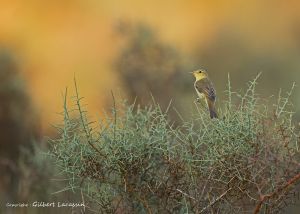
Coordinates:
(136,161)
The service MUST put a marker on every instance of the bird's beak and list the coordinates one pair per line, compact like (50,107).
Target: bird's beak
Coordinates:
(191,72)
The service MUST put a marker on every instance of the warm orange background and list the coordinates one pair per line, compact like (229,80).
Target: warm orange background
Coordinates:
(55,40)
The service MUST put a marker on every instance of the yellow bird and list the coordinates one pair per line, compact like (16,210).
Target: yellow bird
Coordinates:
(205,90)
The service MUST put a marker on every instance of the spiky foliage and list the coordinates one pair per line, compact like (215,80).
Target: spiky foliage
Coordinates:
(135,161)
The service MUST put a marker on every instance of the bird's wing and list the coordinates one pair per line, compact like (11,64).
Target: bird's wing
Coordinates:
(206,87)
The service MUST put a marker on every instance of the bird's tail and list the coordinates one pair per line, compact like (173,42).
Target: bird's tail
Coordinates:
(212,109)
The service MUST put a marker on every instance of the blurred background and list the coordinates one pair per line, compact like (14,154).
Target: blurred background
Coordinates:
(133,48)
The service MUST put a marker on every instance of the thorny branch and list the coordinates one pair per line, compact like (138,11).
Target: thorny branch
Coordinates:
(216,200)
(265,197)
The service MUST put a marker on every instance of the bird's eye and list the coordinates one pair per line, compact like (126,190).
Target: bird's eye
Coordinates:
(200,72)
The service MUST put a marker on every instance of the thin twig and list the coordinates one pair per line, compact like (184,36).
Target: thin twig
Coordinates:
(185,194)
(85,127)
(216,200)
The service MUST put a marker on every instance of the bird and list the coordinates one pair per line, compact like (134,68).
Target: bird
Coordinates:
(205,90)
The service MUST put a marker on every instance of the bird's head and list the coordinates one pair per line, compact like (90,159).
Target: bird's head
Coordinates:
(200,74)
